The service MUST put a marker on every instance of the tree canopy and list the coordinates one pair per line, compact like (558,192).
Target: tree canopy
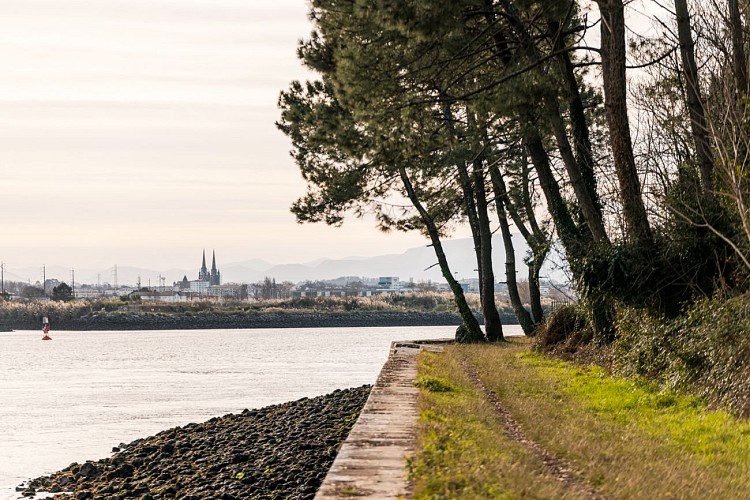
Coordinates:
(62,292)
(487,113)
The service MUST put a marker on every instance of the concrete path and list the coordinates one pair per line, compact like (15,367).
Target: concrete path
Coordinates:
(372,461)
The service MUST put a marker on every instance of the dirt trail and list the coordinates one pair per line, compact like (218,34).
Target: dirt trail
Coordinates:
(554,466)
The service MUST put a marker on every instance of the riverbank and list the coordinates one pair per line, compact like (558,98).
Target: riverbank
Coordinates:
(280,451)
(425,309)
(216,320)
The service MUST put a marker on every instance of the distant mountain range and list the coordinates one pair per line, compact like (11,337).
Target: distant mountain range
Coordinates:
(418,263)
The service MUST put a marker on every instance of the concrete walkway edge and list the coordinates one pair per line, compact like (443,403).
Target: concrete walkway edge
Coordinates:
(372,460)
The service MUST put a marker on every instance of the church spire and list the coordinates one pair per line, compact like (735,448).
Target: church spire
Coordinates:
(215,274)
(203,274)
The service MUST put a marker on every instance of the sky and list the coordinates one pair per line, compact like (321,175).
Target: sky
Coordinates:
(139,132)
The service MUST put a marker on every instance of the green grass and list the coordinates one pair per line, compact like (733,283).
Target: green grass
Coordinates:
(462,454)
(627,438)
(681,423)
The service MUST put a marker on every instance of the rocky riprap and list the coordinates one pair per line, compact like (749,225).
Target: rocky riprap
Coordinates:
(280,451)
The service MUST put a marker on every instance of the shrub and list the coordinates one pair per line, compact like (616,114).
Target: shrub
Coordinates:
(566,328)
(433,384)
(706,351)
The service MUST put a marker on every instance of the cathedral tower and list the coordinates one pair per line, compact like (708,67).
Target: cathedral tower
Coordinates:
(215,274)
(203,274)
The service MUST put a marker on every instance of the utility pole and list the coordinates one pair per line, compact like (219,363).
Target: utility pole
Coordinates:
(115,277)
(44,279)
(73,282)
(2,277)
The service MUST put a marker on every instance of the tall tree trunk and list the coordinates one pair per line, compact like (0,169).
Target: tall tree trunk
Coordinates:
(467,316)
(522,315)
(586,198)
(471,214)
(591,213)
(581,136)
(535,267)
(615,103)
(575,245)
(536,239)
(539,244)
(493,327)
(739,61)
(698,122)
(566,228)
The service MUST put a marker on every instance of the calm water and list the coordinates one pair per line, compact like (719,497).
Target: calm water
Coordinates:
(75,397)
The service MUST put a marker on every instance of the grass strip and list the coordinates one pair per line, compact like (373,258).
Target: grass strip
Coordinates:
(626,438)
(462,452)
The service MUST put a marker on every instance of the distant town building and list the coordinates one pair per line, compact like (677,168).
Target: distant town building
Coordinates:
(205,279)
(155,296)
(470,285)
(182,286)
(199,286)
(213,277)
(388,282)
(228,291)
(208,285)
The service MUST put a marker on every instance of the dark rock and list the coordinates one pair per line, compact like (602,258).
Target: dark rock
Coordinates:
(280,451)
(123,471)
(89,470)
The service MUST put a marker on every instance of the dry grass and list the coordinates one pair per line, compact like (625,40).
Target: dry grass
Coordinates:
(413,301)
(626,439)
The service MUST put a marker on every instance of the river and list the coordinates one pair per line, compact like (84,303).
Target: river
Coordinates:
(73,398)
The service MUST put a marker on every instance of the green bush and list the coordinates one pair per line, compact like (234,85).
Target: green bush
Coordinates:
(566,329)
(706,351)
(433,384)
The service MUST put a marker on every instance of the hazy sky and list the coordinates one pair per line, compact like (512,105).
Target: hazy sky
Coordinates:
(138,132)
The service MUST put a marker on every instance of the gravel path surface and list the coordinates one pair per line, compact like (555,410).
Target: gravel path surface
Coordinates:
(280,451)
